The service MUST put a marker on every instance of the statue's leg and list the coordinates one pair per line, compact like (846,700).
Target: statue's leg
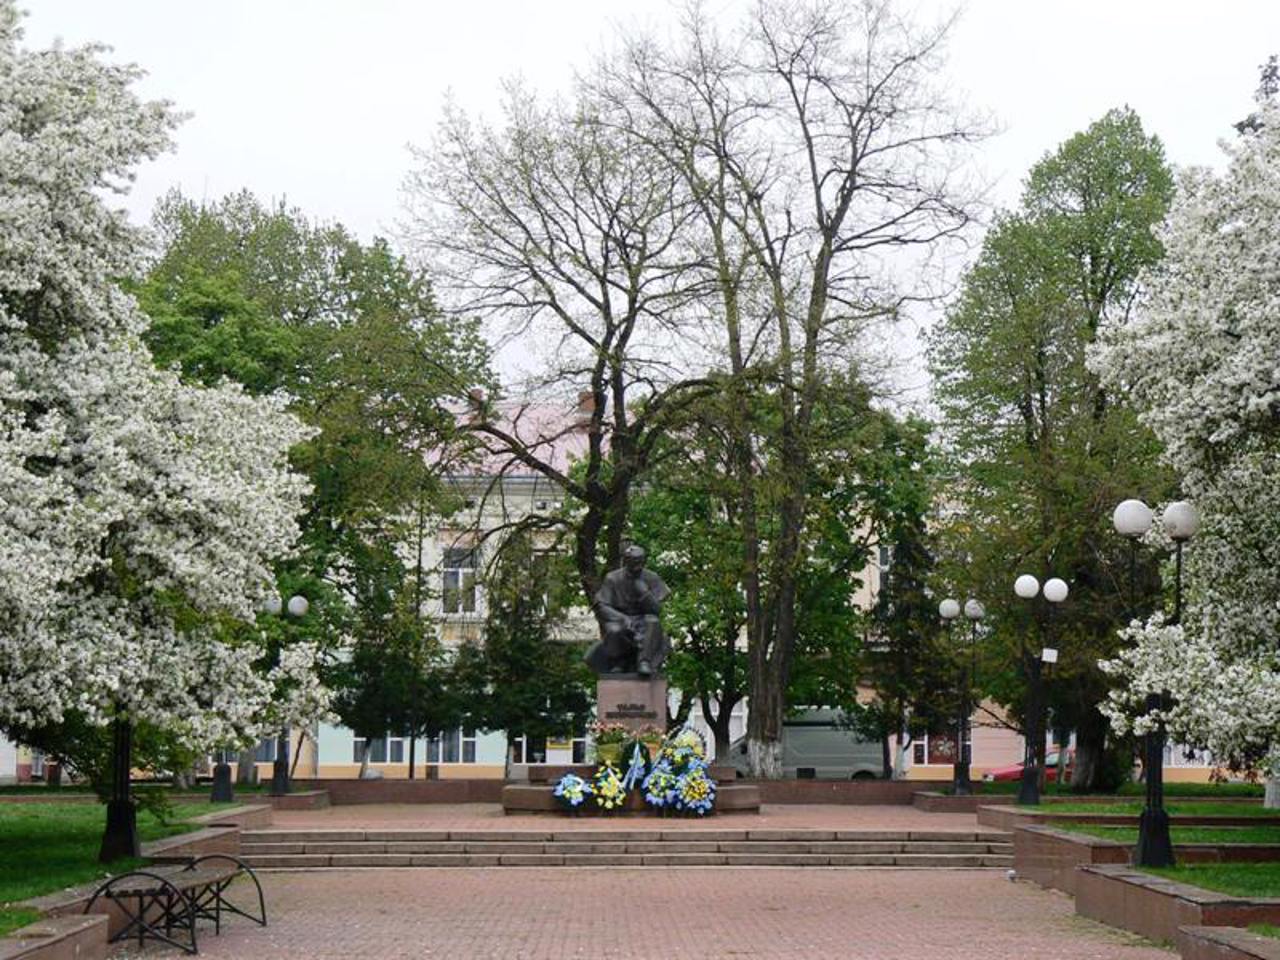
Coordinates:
(652,644)
(618,646)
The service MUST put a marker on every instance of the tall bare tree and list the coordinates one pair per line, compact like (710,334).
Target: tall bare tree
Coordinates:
(570,243)
(818,151)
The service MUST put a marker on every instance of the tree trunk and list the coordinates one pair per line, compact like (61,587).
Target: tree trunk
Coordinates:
(886,757)
(764,758)
(904,748)
(413,744)
(247,767)
(1271,798)
(1091,741)
(364,759)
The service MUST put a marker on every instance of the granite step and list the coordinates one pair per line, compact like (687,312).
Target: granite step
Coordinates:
(850,847)
(674,859)
(341,849)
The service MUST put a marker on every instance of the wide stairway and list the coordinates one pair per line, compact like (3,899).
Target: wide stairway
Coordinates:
(690,846)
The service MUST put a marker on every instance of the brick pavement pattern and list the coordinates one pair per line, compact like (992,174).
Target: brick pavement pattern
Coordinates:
(667,914)
(489,816)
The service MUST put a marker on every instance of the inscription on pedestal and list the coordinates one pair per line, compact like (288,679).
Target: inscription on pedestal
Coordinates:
(634,702)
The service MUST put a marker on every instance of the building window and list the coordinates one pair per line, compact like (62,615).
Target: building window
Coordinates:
(938,749)
(453,746)
(265,751)
(458,586)
(381,750)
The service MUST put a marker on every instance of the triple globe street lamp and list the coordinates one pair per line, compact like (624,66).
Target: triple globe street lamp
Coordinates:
(1181,521)
(1055,591)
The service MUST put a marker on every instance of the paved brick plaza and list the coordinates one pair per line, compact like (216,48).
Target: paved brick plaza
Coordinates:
(667,914)
(483,816)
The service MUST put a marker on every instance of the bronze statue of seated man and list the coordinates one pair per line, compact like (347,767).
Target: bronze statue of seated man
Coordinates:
(629,608)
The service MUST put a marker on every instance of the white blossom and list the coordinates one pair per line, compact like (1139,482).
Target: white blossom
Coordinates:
(137,514)
(1201,362)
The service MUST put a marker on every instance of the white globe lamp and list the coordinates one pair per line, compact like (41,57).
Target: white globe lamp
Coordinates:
(1055,590)
(1181,520)
(1026,586)
(1132,518)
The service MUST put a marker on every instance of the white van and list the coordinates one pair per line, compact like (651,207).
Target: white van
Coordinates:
(817,745)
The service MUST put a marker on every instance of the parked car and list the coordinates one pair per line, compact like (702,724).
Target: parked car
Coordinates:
(818,744)
(1014,770)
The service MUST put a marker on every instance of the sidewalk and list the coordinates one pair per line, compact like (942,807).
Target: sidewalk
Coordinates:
(765,913)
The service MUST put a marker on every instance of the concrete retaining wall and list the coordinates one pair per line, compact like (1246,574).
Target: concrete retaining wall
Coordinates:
(1155,907)
(343,792)
(1225,943)
(852,792)
(935,801)
(58,938)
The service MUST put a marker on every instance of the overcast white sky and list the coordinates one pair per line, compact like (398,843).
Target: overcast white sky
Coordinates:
(315,101)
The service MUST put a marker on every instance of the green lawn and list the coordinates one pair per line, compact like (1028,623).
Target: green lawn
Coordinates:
(1237,879)
(1203,808)
(1204,791)
(1265,929)
(1184,834)
(32,789)
(45,847)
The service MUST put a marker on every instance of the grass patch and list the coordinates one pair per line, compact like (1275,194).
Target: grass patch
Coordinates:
(1201,808)
(36,789)
(1265,929)
(1253,880)
(1203,791)
(45,847)
(1129,835)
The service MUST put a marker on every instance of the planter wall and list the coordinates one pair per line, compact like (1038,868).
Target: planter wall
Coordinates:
(1155,907)
(853,792)
(343,792)
(1225,943)
(1049,857)
(58,938)
(1010,818)
(935,801)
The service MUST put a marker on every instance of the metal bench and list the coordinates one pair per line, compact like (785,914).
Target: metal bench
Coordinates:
(162,901)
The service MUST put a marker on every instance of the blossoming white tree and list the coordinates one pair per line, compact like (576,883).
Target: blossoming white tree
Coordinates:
(137,514)
(1202,364)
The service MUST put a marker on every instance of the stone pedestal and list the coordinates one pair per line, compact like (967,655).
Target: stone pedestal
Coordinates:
(632,700)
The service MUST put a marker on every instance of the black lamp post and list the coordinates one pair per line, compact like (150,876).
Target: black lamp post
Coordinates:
(974,611)
(296,607)
(1132,519)
(949,610)
(1055,591)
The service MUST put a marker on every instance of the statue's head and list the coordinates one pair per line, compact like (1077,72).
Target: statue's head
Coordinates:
(633,559)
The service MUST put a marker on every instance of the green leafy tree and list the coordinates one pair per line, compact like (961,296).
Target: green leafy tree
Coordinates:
(522,678)
(1040,452)
(350,331)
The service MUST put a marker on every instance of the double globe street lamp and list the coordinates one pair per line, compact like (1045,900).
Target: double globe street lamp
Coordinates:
(1181,521)
(297,608)
(1055,591)
(949,610)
